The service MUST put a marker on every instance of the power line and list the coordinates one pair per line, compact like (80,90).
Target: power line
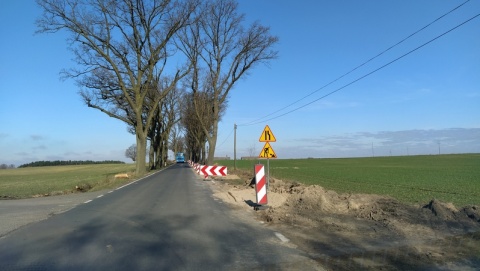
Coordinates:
(354,69)
(362,77)
(225,139)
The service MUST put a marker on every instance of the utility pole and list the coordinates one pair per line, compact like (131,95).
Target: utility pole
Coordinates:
(235,146)
(438,147)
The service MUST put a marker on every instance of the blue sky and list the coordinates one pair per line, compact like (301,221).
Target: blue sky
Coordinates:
(425,101)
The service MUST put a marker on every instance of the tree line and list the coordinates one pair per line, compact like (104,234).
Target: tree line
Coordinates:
(67,163)
(5,166)
(165,67)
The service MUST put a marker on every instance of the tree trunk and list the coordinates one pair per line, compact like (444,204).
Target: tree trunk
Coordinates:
(203,155)
(141,165)
(212,142)
(159,162)
(164,146)
(151,156)
(164,153)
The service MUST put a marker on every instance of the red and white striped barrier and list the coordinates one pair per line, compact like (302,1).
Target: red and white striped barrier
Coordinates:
(214,171)
(260,185)
(209,170)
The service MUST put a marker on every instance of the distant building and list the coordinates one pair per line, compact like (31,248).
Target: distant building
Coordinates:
(249,158)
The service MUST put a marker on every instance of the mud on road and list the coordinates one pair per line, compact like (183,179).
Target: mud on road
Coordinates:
(361,231)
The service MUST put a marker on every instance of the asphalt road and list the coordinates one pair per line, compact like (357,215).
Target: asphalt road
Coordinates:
(167,221)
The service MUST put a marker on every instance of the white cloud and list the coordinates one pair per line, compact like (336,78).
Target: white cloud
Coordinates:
(384,143)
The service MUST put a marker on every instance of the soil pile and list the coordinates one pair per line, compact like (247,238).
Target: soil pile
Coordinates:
(363,231)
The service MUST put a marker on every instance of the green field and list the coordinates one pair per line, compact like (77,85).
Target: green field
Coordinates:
(37,181)
(411,179)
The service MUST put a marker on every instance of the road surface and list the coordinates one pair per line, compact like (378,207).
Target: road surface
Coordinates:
(166,221)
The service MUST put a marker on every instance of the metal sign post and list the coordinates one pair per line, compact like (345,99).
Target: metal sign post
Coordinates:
(267,151)
(268,173)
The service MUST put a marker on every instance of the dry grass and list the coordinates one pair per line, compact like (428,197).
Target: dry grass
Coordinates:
(44,181)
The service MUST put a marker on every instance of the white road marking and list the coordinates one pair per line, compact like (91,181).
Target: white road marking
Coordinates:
(87,201)
(99,196)
(281,237)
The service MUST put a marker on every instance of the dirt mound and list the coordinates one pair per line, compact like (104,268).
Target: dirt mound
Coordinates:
(472,212)
(350,230)
(444,211)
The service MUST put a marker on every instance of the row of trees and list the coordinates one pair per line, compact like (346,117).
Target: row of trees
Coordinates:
(68,163)
(5,166)
(159,66)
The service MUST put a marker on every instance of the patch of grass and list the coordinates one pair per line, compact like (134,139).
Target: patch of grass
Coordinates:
(41,181)
(411,179)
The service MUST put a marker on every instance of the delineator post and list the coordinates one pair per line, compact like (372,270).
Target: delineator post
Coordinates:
(260,185)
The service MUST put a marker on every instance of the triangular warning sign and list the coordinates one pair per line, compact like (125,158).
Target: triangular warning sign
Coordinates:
(267,152)
(267,135)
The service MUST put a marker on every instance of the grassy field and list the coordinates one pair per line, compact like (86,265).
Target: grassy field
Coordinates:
(36,181)
(412,179)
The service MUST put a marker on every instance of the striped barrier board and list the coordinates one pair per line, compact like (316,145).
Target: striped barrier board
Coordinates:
(214,171)
(260,185)
(196,167)
(209,170)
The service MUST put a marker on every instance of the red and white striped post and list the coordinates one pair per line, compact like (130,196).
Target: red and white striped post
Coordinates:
(260,185)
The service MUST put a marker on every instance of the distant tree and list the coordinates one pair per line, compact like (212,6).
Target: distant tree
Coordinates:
(177,141)
(167,116)
(131,152)
(195,137)
(3,166)
(251,151)
(68,163)
(122,49)
(221,51)
(11,166)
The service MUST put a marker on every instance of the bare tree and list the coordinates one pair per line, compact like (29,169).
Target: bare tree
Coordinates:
(121,48)
(195,137)
(167,116)
(177,141)
(5,166)
(251,151)
(131,152)
(221,51)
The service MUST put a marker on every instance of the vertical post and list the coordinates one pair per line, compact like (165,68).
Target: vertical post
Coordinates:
(235,146)
(260,185)
(268,173)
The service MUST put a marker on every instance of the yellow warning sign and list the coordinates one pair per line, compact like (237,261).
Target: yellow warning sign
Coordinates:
(267,152)
(267,135)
